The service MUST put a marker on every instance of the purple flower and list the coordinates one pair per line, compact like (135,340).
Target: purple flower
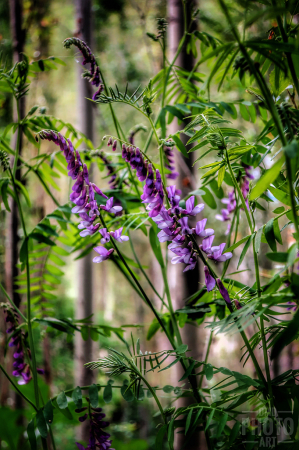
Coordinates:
(103,252)
(206,244)
(170,164)
(216,253)
(209,280)
(185,228)
(191,264)
(223,291)
(200,229)
(106,236)
(224,216)
(89,231)
(190,209)
(110,208)
(117,235)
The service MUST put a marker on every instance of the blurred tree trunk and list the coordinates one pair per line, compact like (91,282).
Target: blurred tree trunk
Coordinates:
(84,308)
(12,239)
(184,284)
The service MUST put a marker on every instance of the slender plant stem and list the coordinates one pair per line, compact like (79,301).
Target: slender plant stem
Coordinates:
(170,307)
(18,143)
(144,273)
(17,389)
(207,354)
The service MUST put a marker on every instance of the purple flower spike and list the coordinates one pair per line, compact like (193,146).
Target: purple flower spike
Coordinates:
(216,253)
(103,252)
(190,209)
(223,291)
(117,235)
(114,146)
(110,208)
(106,236)
(200,229)
(209,280)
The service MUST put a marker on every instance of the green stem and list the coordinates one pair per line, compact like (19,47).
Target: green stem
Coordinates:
(207,353)
(18,143)
(17,389)
(144,273)
(149,303)
(170,307)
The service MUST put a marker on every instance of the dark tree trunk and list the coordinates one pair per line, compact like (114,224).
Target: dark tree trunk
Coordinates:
(183,284)
(84,308)
(12,238)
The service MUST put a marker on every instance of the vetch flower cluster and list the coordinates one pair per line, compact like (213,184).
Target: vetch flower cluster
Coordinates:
(83,194)
(21,369)
(98,438)
(171,218)
(93,74)
(230,201)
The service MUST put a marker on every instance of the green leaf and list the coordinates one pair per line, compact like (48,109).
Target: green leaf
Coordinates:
(241,241)
(160,437)
(153,328)
(107,394)
(41,238)
(77,397)
(180,145)
(258,239)
(93,395)
(48,412)
(181,349)
(41,423)
(276,230)
(62,400)
(210,419)
(267,178)
(244,251)
(208,198)
(221,425)
(155,244)
(4,187)
(31,435)
(127,393)
(234,433)
(24,192)
(280,257)
(283,197)
(269,235)
(291,150)
(24,251)
(286,336)
(209,371)
(168,389)
(279,210)
(188,371)
(188,421)
(221,174)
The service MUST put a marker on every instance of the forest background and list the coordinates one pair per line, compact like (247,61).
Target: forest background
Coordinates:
(118,35)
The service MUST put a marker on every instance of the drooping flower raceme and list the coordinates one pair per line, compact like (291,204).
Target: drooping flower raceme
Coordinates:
(21,369)
(170,218)
(83,195)
(93,74)
(98,438)
(230,201)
